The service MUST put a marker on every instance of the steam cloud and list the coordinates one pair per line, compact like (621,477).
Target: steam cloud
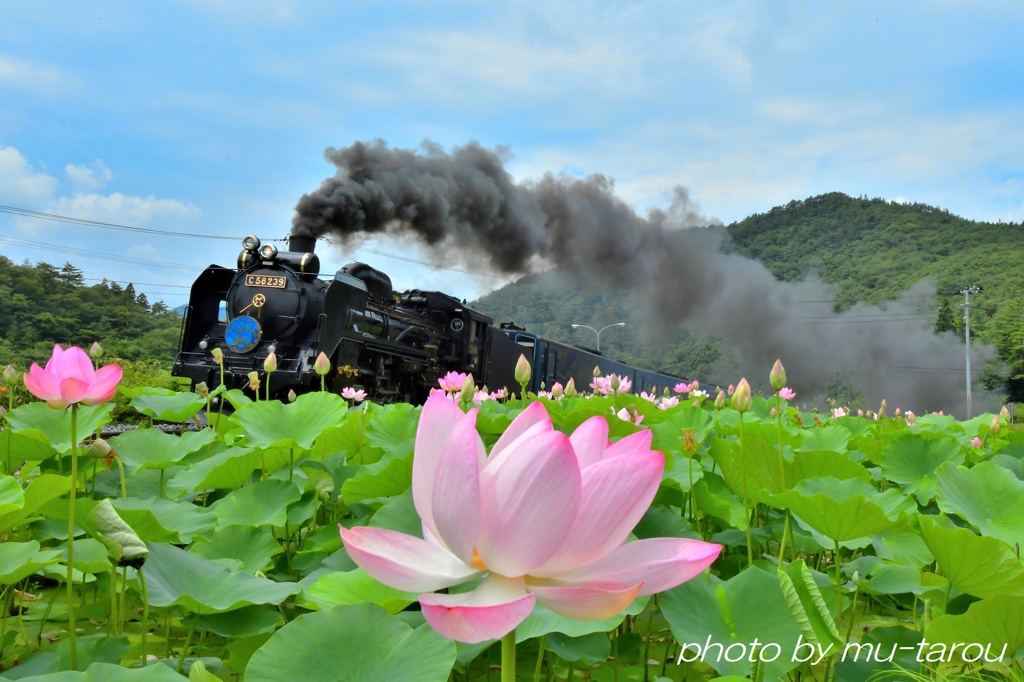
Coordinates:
(465,202)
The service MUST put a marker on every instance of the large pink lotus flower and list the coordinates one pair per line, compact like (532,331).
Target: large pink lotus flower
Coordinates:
(544,517)
(69,378)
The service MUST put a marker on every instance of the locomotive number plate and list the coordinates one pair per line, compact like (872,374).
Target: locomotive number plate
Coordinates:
(273,281)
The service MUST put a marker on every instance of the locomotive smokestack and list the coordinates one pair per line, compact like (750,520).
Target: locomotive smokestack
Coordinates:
(301,243)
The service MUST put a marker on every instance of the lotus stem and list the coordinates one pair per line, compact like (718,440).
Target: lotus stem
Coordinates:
(782,472)
(188,643)
(508,657)
(746,498)
(540,660)
(72,635)
(145,615)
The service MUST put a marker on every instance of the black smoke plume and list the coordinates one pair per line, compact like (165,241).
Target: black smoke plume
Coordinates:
(466,203)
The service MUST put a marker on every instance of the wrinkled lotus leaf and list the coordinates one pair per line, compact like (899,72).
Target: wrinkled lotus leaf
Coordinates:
(160,520)
(230,468)
(19,560)
(30,445)
(260,504)
(844,510)
(714,497)
(176,577)
(356,587)
(197,672)
(12,497)
(835,438)
(376,647)
(374,481)
(123,544)
(974,564)
(271,423)
(55,425)
(175,407)
(543,621)
(995,622)
(253,547)
(807,605)
(897,579)
(748,606)
(154,449)
(987,495)
(39,492)
(911,461)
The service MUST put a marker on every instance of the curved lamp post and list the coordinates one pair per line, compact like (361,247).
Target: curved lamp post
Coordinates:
(598,332)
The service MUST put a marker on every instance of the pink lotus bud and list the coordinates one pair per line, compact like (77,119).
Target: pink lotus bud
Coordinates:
(322,365)
(786,393)
(1005,413)
(469,386)
(570,388)
(557,391)
(522,373)
(975,442)
(291,395)
(96,350)
(730,390)
(270,363)
(898,412)
(741,400)
(778,376)
(719,399)
(597,372)
(996,426)
(3,410)
(218,355)
(615,383)
(10,375)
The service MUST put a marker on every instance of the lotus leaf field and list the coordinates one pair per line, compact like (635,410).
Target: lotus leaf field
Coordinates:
(856,548)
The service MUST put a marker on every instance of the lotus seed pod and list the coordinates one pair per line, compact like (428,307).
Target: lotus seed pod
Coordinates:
(99,449)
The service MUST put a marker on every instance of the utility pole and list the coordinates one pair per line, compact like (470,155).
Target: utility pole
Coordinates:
(967,338)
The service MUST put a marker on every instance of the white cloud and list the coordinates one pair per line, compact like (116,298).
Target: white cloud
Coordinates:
(126,210)
(20,184)
(22,74)
(86,179)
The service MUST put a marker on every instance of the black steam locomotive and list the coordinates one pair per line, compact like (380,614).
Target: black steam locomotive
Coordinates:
(394,346)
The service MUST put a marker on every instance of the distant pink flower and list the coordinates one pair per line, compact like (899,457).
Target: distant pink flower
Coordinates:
(349,393)
(69,378)
(649,397)
(730,390)
(668,403)
(452,381)
(625,415)
(787,393)
(975,442)
(860,413)
(839,412)
(545,517)
(681,387)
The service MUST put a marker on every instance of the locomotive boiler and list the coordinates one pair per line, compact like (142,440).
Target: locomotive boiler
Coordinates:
(392,345)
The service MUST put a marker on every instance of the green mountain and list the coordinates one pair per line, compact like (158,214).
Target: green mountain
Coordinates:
(867,251)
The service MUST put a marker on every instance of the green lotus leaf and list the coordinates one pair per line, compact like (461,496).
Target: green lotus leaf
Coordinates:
(252,547)
(825,463)
(176,577)
(377,648)
(90,556)
(858,664)
(123,544)
(169,407)
(994,622)
(987,495)
(39,492)
(668,435)
(356,587)
(974,564)
(379,480)
(247,621)
(588,649)
(903,548)
(154,449)
(749,606)
(760,460)
(159,520)
(271,423)
(835,438)
(350,439)
(260,504)
(19,560)
(912,460)
(12,497)
(29,445)
(844,510)
(543,621)
(55,424)
(714,497)
(393,429)
(399,513)
(228,468)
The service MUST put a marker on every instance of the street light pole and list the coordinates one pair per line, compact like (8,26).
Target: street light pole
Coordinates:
(967,338)
(598,332)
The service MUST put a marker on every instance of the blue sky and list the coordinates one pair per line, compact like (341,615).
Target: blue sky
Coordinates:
(212,116)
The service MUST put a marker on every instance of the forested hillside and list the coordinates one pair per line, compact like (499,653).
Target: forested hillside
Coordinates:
(870,250)
(41,305)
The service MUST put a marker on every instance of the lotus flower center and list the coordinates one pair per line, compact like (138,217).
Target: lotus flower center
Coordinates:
(476,561)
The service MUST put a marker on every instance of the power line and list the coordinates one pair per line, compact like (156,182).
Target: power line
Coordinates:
(95,254)
(13,210)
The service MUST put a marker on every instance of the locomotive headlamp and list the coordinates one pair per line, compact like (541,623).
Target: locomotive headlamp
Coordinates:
(251,243)
(203,344)
(268,252)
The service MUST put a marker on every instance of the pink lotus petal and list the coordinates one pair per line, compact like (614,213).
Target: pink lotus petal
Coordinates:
(73,390)
(531,422)
(55,358)
(615,495)
(590,602)
(41,383)
(659,563)
(76,363)
(403,561)
(589,441)
(437,420)
(104,385)
(491,611)
(529,505)
(635,442)
(456,496)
